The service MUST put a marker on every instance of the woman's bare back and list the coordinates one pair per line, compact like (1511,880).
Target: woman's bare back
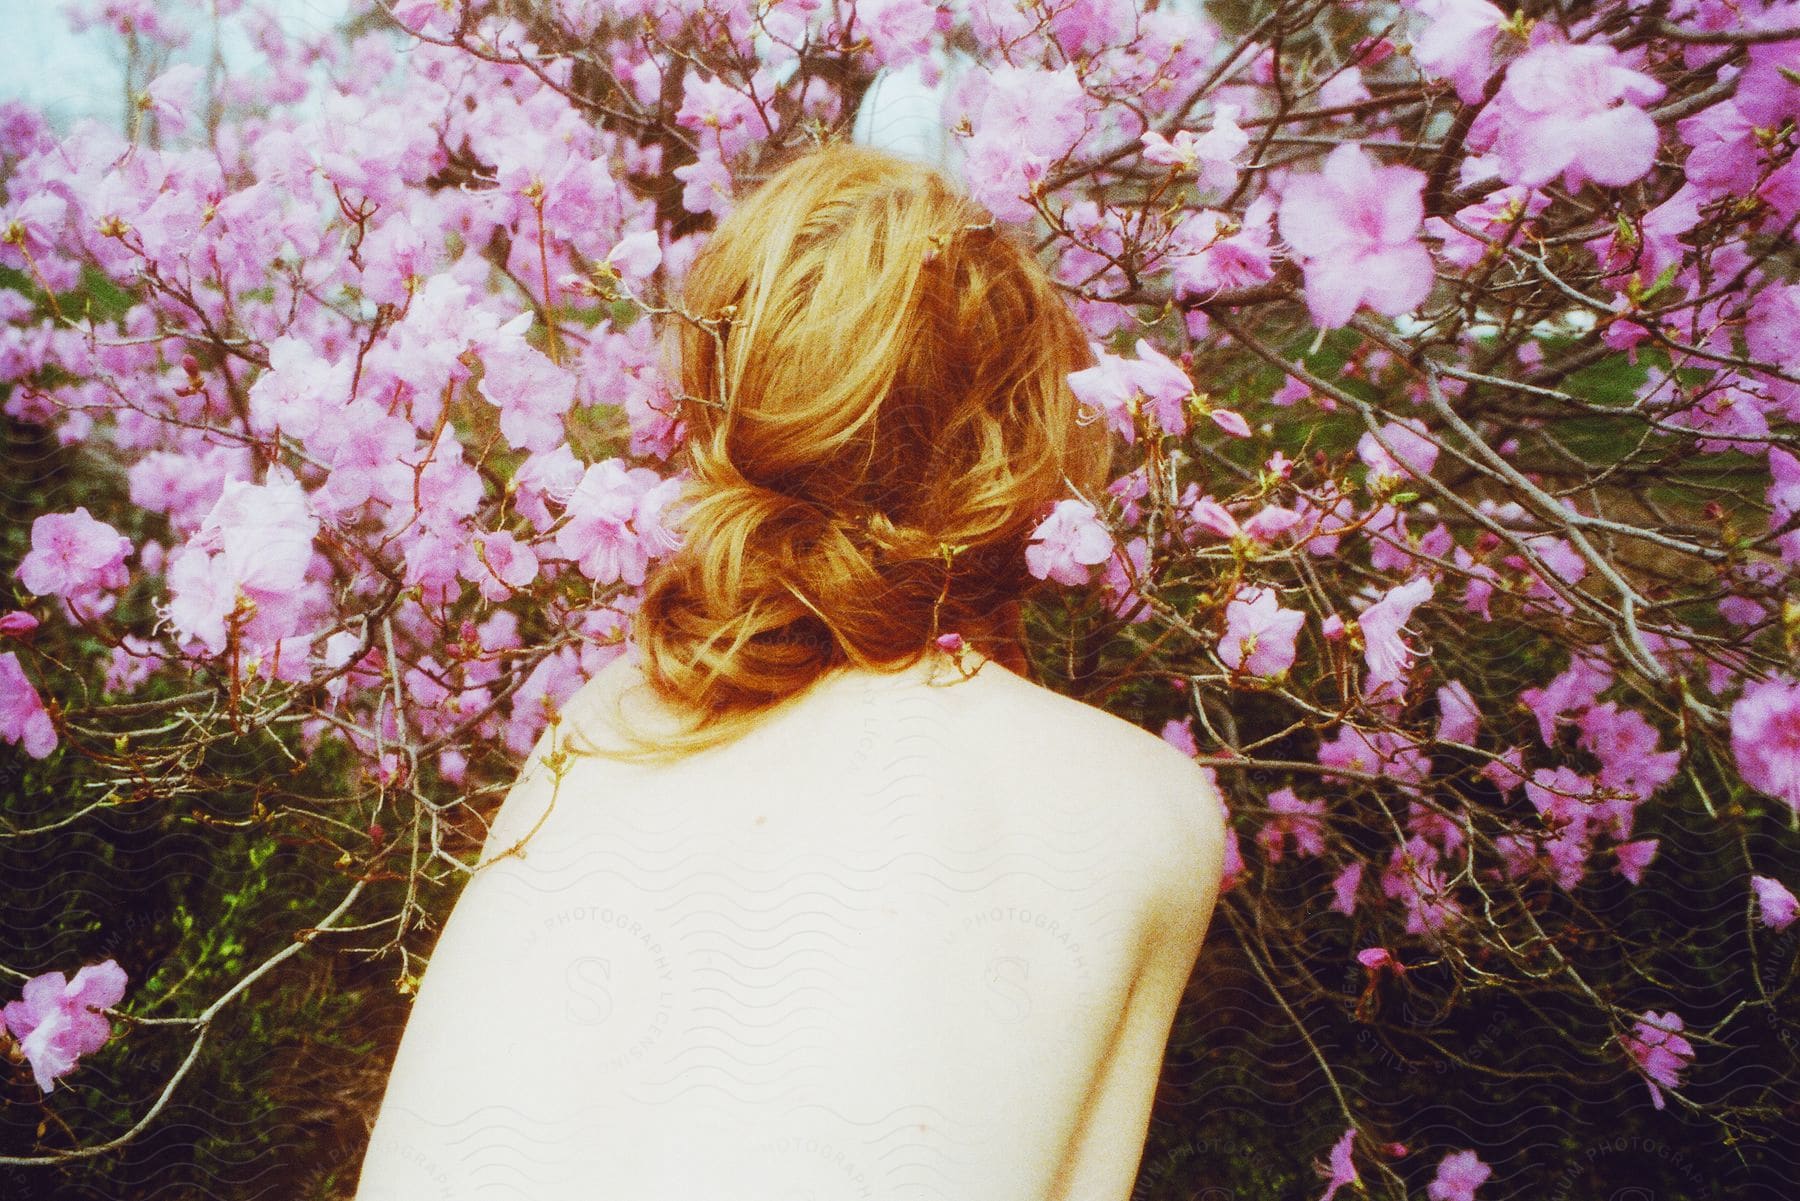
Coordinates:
(906,939)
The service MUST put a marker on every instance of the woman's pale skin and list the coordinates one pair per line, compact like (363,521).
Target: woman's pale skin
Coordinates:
(918,935)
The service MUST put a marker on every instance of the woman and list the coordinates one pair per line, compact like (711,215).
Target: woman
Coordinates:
(796,900)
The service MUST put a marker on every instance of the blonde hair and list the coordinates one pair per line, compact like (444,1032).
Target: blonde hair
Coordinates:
(877,408)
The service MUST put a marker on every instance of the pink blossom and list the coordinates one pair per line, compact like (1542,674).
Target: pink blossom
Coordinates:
(601,535)
(1413,878)
(1570,110)
(1568,807)
(707,185)
(365,445)
(900,32)
(31,223)
(17,623)
(1179,733)
(1269,523)
(1163,384)
(1211,155)
(1376,752)
(1119,577)
(1233,871)
(1741,610)
(1391,543)
(298,389)
(1388,656)
(1208,514)
(1173,42)
(1458,1176)
(1773,329)
(1344,886)
(397,257)
(1559,560)
(1765,737)
(658,515)
(1458,43)
(1784,490)
(1340,1170)
(1217,149)
(1377,958)
(1767,91)
(656,426)
(1326,515)
(264,532)
(1506,771)
(1024,119)
(1491,217)
(544,479)
(255,541)
(1459,718)
(532,393)
(636,255)
(1116,386)
(170,96)
(1634,857)
(1572,690)
(499,564)
(727,119)
(1067,542)
(1561,795)
(1355,226)
(1775,903)
(1295,391)
(1430,821)
(23,718)
(74,556)
(1413,453)
(1657,1048)
(1232,423)
(1723,153)
(1264,526)
(1259,633)
(1109,387)
(1292,818)
(1661,230)
(56,1020)
(1211,251)
(1781,190)
(1344,88)
(430,17)
(1478,591)
(1626,745)
(131,663)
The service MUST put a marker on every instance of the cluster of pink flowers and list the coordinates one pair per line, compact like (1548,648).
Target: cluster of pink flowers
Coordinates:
(1120,388)
(1765,737)
(55,1020)
(78,559)
(1659,1051)
(1459,1174)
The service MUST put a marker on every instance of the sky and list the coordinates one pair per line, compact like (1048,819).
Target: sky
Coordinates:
(72,75)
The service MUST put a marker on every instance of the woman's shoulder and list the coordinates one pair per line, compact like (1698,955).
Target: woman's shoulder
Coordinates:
(1172,799)
(619,694)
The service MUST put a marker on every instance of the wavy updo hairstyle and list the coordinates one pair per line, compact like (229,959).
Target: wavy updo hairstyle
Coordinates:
(877,408)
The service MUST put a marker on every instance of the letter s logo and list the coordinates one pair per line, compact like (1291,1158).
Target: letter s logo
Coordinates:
(590,991)
(1006,976)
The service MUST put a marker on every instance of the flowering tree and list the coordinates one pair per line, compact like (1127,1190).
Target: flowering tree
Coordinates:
(1454,358)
